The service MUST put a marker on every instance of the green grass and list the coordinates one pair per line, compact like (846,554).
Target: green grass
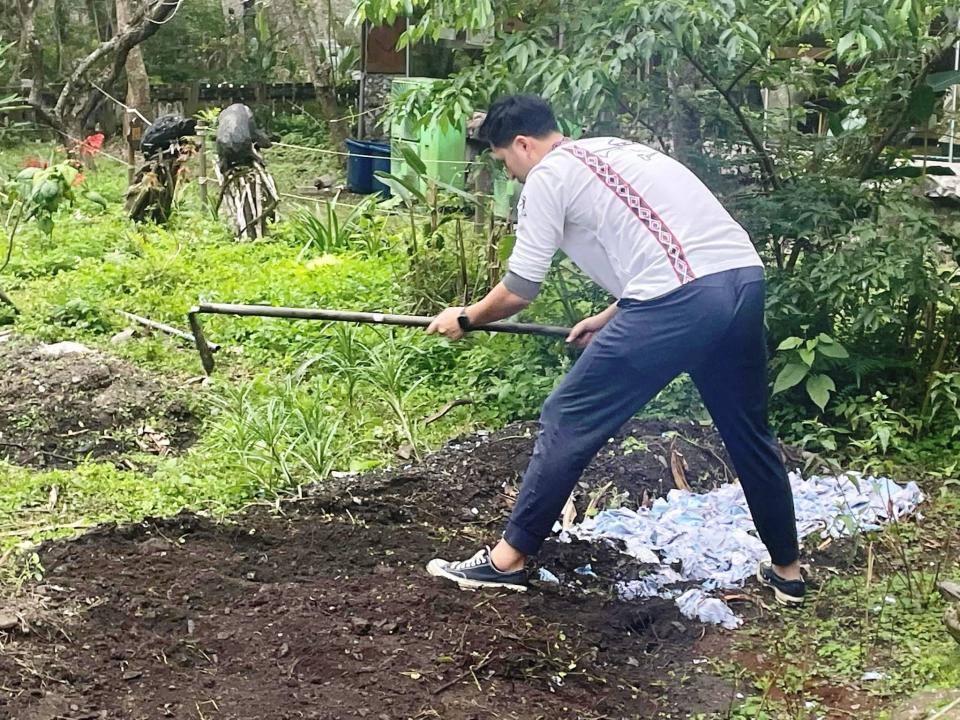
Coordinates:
(69,286)
(848,627)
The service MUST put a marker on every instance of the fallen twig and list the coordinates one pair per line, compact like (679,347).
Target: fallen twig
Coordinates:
(447,408)
(163,327)
(78,525)
(472,670)
(943,711)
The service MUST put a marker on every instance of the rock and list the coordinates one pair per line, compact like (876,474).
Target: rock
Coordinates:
(324,181)
(153,545)
(8,620)
(928,703)
(123,336)
(61,349)
(950,590)
(951,618)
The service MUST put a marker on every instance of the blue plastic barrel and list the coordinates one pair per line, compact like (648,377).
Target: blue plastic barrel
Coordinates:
(364,159)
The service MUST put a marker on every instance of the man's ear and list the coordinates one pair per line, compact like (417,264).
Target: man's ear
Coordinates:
(522,143)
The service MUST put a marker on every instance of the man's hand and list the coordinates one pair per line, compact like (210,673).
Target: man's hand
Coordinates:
(447,324)
(583,332)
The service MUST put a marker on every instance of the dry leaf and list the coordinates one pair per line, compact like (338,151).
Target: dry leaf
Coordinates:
(569,514)
(676,468)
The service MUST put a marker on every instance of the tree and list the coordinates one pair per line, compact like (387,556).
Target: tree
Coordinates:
(80,95)
(138,84)
(855,254)
(297,18)
(634,58)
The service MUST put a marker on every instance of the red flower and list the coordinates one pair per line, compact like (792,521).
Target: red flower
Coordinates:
(79,178)
(33,162)
(91,144)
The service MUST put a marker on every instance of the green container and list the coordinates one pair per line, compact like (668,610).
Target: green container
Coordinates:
(441,150)
(506,192)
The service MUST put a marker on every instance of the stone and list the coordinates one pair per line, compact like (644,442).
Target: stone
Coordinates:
(61,349)
(8,620)
(123,336)
(951,618)
(928,703)
(950,590)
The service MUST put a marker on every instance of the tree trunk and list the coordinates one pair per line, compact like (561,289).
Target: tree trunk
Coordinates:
(683,119)
(138,84)
(320,78)
(92,12)
(27,10)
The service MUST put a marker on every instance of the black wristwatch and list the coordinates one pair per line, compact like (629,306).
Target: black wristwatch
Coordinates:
(463,320)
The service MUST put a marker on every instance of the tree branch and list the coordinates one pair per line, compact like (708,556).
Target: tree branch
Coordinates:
(767,168)
(45,116)
(895,127)
(636,116)
(740,75)
(142,26)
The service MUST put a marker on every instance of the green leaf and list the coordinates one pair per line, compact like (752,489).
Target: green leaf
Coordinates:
(922,103)
(401,186)
(790,343)
(943,81)
(505,249)
(835,122)
(874,36)
(46,224)
(791,374)
(413,160)
(819,388)
(469,197)
(846,42)
(883,435)
(834,350)
(807,356)
(69,173)
(96,197)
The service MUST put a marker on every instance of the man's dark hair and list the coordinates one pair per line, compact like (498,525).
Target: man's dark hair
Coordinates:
(514,115)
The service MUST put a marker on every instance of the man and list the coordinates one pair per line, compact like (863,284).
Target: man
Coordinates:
(690,292)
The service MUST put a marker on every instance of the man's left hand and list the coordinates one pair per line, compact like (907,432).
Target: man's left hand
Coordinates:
(447,324)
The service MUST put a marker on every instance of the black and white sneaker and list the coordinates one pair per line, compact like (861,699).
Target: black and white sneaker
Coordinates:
(787,592)
(478,572)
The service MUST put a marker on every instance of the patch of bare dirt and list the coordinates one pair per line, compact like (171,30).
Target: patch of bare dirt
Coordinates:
(61,404)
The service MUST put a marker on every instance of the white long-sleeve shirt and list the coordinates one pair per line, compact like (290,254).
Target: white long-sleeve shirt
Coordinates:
(636,221)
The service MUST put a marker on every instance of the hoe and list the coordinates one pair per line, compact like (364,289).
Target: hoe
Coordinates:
(206,349)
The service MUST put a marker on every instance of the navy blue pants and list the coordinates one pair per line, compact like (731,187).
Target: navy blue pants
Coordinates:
(712,329)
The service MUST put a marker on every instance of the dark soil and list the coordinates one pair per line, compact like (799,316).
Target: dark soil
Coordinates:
(56,411)
(326,612)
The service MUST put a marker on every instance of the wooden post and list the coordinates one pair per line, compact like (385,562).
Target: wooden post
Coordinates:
(361,123)
(192,102)
(202,180)
(134,134)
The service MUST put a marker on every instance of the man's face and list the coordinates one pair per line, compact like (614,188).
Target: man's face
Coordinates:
(517,157)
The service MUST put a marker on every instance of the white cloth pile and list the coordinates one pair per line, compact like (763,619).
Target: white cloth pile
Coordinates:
(709,539)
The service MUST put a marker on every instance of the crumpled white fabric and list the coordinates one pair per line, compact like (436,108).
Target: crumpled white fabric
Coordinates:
(695,603)
(709,538)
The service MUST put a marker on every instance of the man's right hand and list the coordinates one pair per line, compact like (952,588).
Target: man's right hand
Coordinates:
(583,332)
